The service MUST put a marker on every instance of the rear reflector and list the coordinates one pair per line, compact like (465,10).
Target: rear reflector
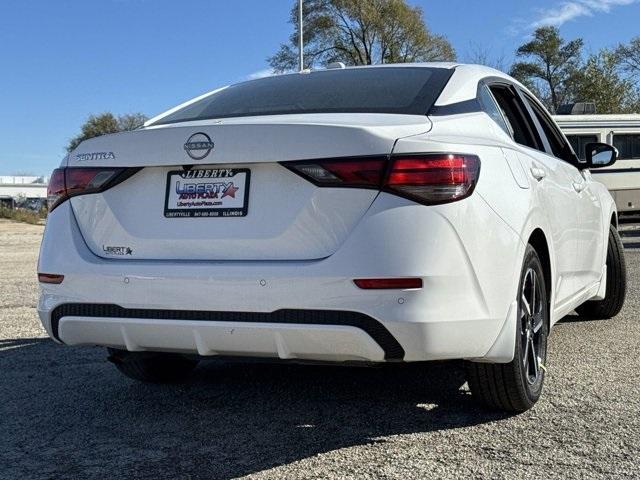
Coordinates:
(50,278)
(70,182)
(388,283)
(429,179)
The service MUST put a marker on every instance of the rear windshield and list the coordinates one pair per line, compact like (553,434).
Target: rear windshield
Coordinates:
(404,90)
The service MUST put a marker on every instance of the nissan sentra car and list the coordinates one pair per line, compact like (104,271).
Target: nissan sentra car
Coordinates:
(395,213)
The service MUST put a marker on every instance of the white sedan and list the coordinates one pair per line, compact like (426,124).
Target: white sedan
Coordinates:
(395,213)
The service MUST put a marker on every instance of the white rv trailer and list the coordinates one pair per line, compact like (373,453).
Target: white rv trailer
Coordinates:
(623,132)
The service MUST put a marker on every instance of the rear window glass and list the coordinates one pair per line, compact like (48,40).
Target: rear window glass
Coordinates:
(403,90)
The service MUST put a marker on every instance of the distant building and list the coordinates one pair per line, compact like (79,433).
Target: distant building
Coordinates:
(24,191)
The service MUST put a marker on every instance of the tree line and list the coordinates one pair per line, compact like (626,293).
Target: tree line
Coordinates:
(366,32)
(558,72)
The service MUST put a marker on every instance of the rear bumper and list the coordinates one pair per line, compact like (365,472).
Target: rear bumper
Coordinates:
(287,334)
(461,311)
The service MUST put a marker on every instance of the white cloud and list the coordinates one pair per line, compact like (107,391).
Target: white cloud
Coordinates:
(267,72)
(570,10)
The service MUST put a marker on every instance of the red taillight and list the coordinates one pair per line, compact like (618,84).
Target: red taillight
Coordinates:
(56,190)
(50,278)
(365,173)
(433,179)
(388,283)
(425,178)
(361,172)
(69,182)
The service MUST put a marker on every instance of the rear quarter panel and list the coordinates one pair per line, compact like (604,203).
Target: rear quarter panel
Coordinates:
(505,188)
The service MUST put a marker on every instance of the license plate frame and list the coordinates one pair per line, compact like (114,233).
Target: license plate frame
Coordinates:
(206,186)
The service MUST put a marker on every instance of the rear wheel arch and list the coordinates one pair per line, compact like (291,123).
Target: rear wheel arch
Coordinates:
(516,386)
(538,241)
(613,222)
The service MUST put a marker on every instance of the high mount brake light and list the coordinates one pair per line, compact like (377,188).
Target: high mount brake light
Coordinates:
(430,179)
(70,182)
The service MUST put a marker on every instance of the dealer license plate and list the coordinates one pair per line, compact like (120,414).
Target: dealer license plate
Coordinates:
(212,192)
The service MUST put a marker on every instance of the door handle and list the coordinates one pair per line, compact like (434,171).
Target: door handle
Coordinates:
(538,173)
(579,186)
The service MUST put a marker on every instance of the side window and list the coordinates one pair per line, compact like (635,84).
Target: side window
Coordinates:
(492,109)
(521,126)
(578,143)
(628,146)
(557,143)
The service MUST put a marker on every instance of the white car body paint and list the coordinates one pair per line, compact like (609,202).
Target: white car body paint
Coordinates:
(302,249)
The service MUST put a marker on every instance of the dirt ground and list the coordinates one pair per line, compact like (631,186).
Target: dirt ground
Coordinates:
(67,413)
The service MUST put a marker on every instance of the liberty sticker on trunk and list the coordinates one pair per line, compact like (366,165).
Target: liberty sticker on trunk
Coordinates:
(214,192)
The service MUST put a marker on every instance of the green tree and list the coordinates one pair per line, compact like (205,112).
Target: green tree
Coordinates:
(550,66)
(131,121)
(361,32)
(104,124)
(629,57)
(600,81)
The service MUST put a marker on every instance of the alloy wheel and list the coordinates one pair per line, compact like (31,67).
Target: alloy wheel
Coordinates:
(531,326)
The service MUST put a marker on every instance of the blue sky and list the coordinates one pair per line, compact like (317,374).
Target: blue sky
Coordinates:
(64,59)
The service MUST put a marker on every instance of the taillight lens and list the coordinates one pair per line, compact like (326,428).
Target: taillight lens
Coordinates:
(433,179)
(56,190)
(70,182)
(430,179)
(342,173)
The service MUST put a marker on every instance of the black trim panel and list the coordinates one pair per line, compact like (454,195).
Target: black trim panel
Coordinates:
(615,170)
(466,106)
(392,349)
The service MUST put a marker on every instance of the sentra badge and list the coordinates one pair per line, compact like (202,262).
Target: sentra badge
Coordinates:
(85,157)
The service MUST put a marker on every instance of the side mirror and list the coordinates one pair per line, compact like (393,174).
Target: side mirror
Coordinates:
(600,155)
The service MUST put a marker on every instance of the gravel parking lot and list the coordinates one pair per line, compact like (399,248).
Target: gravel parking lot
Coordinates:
(67,413)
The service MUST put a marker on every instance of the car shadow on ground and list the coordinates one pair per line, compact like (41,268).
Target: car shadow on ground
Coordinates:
(575,318)
(69,413)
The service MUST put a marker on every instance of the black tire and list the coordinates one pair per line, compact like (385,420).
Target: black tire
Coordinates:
(616,283)
(513,387)
(151,367)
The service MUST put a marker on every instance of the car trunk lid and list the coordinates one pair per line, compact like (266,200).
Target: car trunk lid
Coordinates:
(268,213)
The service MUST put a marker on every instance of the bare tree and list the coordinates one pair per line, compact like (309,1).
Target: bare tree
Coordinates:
(361,32)
(481,55)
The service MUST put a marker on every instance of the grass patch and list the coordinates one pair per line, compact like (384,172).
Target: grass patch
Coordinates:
(23,215)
